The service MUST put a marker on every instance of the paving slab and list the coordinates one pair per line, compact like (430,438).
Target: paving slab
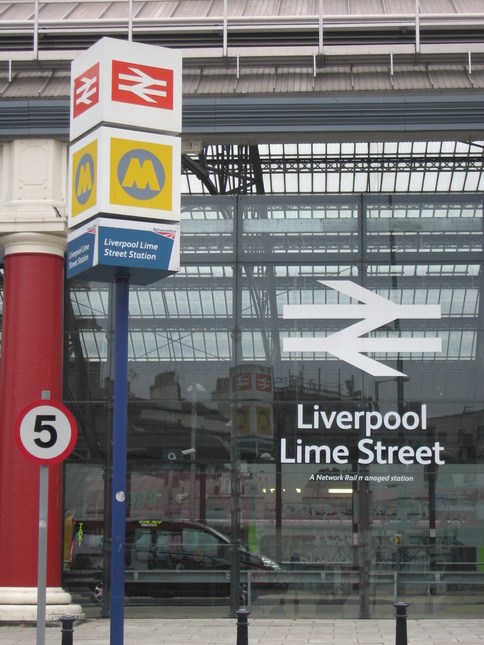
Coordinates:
(260,632)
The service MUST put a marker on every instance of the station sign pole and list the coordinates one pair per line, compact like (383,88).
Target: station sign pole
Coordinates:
(124,211)
(120,433)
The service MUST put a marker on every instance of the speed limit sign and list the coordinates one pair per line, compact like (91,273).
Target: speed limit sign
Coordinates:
(45,432)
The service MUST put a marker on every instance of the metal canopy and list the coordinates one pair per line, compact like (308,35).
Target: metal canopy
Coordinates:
(228,23)
(308,97)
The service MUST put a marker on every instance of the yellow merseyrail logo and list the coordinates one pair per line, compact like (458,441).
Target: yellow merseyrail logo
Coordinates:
(264,422)
(242,419)
(84,185)
(141,174)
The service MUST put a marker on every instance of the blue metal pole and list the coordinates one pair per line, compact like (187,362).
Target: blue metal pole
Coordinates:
(120,431)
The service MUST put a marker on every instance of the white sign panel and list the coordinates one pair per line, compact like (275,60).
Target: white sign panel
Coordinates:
(126,84)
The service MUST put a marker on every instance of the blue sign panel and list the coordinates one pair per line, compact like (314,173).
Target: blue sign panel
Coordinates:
(80,252)
(135,248)
(105,248)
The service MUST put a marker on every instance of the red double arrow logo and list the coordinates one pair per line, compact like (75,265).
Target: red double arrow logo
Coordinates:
(142,85)
(86,90)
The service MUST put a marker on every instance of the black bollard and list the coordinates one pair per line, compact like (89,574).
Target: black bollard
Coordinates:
(242,626)
(67,629)
(401,627)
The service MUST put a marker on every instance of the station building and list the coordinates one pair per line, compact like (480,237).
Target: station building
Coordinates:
(310,384)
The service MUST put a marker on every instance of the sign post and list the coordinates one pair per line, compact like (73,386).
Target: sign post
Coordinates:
(124,170)
(120,436)
(46,433)
(42,554)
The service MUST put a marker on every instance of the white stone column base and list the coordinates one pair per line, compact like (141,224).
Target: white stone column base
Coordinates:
(19,605)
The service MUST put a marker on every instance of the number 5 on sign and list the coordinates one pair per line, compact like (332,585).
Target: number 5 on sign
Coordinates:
(45,432)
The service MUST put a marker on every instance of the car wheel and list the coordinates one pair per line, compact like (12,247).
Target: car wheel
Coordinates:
(243,593)
(98,592)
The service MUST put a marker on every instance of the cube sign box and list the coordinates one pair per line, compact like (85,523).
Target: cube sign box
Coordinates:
(124,173)
(126,84)
(105,248)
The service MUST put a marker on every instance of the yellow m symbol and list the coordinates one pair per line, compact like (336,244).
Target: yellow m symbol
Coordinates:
(84,183)
(141,175)
(83,167)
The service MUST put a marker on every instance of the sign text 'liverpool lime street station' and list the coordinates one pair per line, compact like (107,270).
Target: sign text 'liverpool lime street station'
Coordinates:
(95,248)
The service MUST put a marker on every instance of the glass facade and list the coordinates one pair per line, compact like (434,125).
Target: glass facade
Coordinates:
(310,385)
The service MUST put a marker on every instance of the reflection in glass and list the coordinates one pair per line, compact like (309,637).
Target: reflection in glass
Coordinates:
(353,526)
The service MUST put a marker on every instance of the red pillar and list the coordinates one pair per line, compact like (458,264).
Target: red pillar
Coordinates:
(31,362)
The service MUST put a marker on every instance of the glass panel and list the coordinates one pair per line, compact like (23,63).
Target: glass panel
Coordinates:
(317,398)
(207,229)
(303,227)
(410,225)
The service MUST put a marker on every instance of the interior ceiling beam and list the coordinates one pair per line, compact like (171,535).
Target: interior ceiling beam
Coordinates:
(383,163)
(254,166)
(197,168)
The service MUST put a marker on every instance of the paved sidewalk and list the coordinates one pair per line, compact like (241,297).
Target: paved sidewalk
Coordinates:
(261,632)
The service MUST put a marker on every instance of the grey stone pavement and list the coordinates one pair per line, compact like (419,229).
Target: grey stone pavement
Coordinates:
(223,631)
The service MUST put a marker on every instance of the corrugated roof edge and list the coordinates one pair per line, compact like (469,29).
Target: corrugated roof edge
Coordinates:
(239,118)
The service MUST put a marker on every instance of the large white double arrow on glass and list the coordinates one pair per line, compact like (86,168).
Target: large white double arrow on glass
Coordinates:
(348,344)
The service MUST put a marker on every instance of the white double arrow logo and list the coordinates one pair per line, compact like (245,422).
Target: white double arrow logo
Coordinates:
(86,90)
(348,344)
(143,85)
